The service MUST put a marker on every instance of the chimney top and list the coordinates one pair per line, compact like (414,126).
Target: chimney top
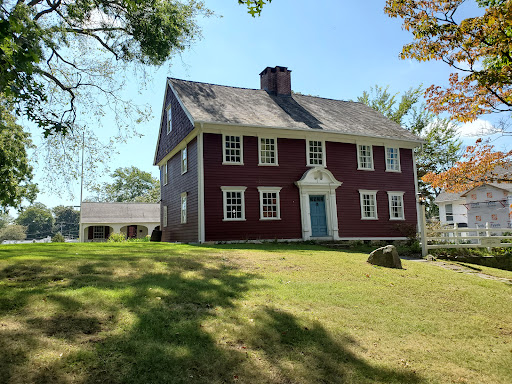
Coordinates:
(276,81)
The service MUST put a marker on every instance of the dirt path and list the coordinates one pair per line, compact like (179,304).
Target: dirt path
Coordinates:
(461,269)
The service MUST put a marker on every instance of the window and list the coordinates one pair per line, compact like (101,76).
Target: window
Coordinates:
(169,119)
(98,232)
(364,157)
(315,153)
(234,203)
(165,177)
(233,150)
(392,159)
(184,160)
(268,151)
(396,205)
(368,204)
(165,216)
(449,212)
(183,207)
(269,203)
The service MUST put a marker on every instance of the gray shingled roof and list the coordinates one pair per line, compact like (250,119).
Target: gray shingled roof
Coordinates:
(120,213)
(254,107)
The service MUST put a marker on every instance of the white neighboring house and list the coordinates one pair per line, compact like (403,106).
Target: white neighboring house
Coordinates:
(134,220)
(488,203)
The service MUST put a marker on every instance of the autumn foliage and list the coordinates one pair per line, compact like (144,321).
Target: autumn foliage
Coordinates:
(480,165)
(479,48)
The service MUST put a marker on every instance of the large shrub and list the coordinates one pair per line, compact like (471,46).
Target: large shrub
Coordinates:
(116,238)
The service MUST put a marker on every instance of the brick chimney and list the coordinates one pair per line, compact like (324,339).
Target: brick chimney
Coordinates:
(276,81)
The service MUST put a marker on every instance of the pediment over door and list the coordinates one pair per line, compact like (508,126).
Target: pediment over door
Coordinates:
(318,177)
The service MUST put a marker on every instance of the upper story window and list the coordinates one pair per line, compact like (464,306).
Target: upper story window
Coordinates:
(449,212)
(392,159)
(233,149)
(368,201)
(267,151)
(184,160)
(165,175)
(315,153)
(233,203)
(396,205)
(365,157)
(169,119)
(269,203)
(183,207)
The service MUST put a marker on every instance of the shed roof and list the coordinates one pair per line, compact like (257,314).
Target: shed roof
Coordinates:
(254,107)
(103,213)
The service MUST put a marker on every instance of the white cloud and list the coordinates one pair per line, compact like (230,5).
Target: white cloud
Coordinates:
(477,128)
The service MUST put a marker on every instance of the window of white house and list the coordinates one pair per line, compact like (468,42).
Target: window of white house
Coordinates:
(392,159)
(98,232)
(184,160)
(183,207)
(233,149)
(269,203)
(165,177)
(396,205)
(169,119)
(365,157)
(165,216)
(315,153)
(268,151)
(368,204)
(234,203)
(449,212)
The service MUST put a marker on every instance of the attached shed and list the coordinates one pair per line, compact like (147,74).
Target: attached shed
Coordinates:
(134,220)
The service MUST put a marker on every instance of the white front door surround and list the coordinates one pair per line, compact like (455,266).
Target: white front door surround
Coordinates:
(319,181)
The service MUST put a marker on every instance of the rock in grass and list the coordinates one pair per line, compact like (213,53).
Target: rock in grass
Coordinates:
(385,257)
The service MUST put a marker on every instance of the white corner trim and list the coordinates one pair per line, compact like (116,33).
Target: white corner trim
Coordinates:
(200,189)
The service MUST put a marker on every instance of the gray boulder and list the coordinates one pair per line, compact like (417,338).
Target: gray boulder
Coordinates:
(385,257)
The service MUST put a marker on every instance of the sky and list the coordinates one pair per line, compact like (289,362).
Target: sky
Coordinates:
(335,49)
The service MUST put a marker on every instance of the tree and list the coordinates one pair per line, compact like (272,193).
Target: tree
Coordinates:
(480,165)
(38,220)
(15,171)
(13,232)
(5,220)
(254,6)
(441,148)
(130,184)
(67,220)
(478,47)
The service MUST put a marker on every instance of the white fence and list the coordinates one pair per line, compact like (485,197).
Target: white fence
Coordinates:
(465,238)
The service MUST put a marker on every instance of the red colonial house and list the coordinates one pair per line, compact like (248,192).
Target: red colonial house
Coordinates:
(248,164)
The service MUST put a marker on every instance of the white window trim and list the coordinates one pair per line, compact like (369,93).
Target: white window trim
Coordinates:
(276,163)
(224,206)
(361,203)
(165,218)
(183,213)
(446,213)
(184,161)
(168,121)
(359,167)
(398,160)
(324,162)
(396,193)
(224,162)
(276,190)
(166,172)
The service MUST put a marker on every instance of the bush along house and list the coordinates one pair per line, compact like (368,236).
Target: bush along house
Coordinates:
(242,164)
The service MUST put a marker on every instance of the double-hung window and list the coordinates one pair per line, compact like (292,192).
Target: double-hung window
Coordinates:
(233,203)
(315,153)
(365,157)
(267,151)
(368,200)
(165,174)
(396,205)
(98,232)
(269,203)
(169,119)
(449,212)
(184,160)
(392,159)
(165,216)
(233,149)
(183,207)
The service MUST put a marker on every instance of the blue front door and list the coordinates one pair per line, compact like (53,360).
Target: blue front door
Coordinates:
(318,218)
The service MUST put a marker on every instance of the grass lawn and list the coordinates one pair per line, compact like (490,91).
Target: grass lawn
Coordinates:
(163,313)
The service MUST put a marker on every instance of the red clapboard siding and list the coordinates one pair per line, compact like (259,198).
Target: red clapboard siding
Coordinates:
(171,196)
(341,161)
